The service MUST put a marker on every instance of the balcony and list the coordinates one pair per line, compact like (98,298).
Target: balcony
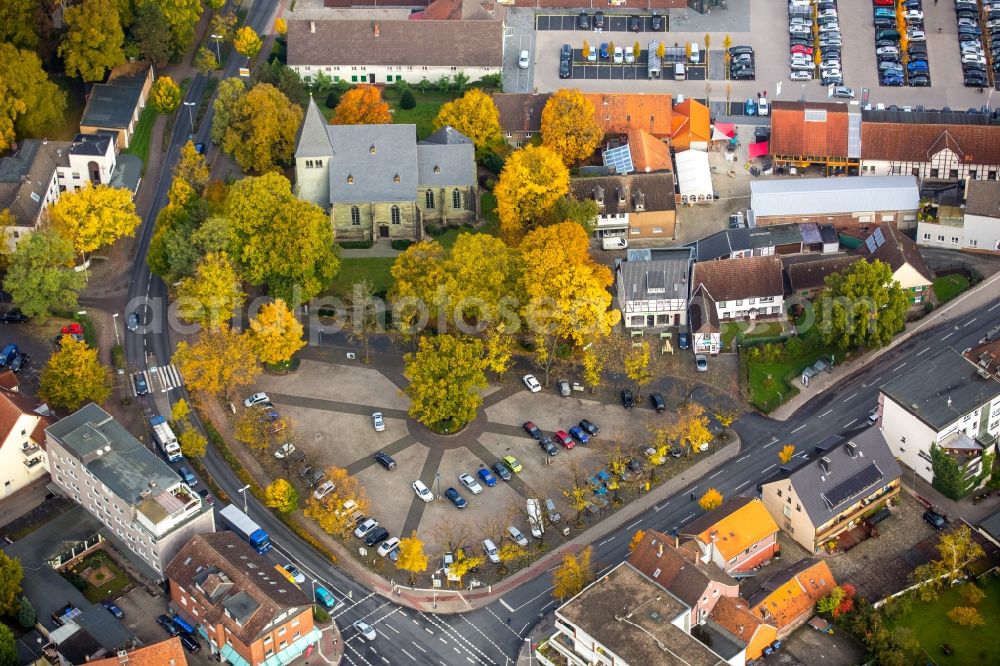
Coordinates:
(30,449)
(844,519)
(33,462)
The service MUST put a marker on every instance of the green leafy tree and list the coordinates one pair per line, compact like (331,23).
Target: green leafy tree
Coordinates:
(227,93)
(281,495)
(956,549)
(93,42)
(11,575)
(165,95)
(26,616)
(966,616)
(29,102)
(948,478)
(284,78)
(205,60)
(73,376)
(40,277)
(262,128)
(832,601)
(862,306)
(212,295)
(223,25)
(17,23)
(570,209)
(445,375)
(8,650)
(182,16)
(280,240)
(151,33)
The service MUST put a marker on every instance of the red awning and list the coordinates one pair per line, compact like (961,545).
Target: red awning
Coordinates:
(729,129)
(758,149)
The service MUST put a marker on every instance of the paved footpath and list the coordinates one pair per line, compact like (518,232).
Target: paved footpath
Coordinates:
(970,301)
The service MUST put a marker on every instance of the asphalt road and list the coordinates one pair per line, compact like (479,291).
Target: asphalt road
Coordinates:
(494,634)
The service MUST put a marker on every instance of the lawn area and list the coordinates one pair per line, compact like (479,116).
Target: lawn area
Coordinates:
(931,626)
(139,145)
(774,382)
(764,329)
(950,286)
(488,212)
(102,576)
(422,115)
(69,127)
(355,269)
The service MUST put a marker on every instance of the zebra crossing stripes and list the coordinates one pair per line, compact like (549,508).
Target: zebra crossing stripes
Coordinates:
(166,377)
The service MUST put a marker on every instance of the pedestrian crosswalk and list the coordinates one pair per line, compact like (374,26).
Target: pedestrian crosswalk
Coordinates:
(165,377)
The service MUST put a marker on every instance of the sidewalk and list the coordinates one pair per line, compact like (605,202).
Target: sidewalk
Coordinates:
(973,513)
(969,301)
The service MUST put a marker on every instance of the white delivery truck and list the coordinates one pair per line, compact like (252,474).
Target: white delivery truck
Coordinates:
(535,518)
(614,242)
(165,439)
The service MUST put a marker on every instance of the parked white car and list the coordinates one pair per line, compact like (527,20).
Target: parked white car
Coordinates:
(378,421)
(324,489)
(284,450)
(524,60)
(469,482)
(518,536)
(388,546)
(490,548)
(365,527)
(256,399)
(532,383)
(422,491)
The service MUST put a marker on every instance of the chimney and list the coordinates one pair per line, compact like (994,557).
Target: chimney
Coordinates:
(376,31)
(852,449)
(659,551)
(312,27)
(825,464)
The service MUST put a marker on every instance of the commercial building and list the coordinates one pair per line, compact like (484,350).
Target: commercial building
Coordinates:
(249,614)
(101,466)
(950,399)
(841,482)
(854,204)
(975,227)
(389,51)
(113,108)
(635,206)
(22,441)
(820,134)
(378,181)
(653,288)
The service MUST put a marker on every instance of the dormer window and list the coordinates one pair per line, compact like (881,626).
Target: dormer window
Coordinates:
(395,178)
(639,201)
(599,196)
(621,195)
(372,149)
(350,179)
(437,169)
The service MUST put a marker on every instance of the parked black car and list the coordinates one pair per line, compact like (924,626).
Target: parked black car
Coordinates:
(657,401)
(935,520)
(628,399)
(14,316)
(384,459)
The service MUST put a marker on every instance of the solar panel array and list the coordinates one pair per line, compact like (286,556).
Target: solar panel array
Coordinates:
(619,159)
(852,486)
(875,241)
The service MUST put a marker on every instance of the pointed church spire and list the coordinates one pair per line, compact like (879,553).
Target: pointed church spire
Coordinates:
(313,139)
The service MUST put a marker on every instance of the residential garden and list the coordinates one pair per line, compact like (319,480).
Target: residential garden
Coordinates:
(98,577)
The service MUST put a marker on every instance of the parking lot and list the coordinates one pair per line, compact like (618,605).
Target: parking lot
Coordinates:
(612,22)
(331,405)
(766,32)
(141,610)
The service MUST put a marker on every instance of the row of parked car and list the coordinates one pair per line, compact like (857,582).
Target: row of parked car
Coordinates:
(975,65)
(898,66)
(810,32)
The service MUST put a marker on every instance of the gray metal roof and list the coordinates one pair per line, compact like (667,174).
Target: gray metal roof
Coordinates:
(128,468)
(829,196)
(451,164)
(942,389)
(25,177)
(447,135)
(721,245)
(666,276)
(313,140)
(367,160)
(112,105)
(852,473)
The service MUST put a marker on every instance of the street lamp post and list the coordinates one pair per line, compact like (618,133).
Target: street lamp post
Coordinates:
(189,106)
(437,479)
(243,491)
(216,38)
(114,323)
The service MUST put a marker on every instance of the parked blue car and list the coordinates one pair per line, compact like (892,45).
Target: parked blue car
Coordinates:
(487,477)
(750,108)
(577,433)
(8,354)
(455,497)
(604,51)
(324,598)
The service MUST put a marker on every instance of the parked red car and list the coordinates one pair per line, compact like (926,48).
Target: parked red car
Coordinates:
(72,329)
(799,48)
(563,438)
(884,3)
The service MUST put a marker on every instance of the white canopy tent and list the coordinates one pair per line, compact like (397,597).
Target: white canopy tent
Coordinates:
(694,176)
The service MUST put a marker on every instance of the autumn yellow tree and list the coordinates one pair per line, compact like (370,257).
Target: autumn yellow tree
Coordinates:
(593,366)
(690,430)
(191,168)
(446,375)
(334,512)
(74,375)
(193,443)
(421,279)
(956,549)
(509,553)
(361,105)
(636,540)
(475,295)
(566,291)
(412,558)
(463,565)
(637,365)
(218,363)
(94,217)
(165,95)
(475,115)
(92,44)
(574,574)
(533,179)
(569,126)
(281,495)
(262,127)
(275,333)
(966,616)
(710,500)
(247,42)
(180,412)
(280,27)
(786,453)
(255,428)
(212,294)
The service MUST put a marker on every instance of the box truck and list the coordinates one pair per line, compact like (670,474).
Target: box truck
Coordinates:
(165,439)
(248,530)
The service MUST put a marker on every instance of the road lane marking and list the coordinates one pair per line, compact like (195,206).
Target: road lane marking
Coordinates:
(524,627)
(742,485)
(770,443)
(801,455)
(824,413)
(717,473)
(899,366)
(848,398)
(993,308)
(628,527)
(849,424)
(921,352)
(743,458)
(506,605)
(799,428)
(417,645)
(947,336)
(873,382)
(968,322)
(403,650)
(611,538)
(769,468)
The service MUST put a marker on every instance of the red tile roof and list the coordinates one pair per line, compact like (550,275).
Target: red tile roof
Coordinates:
(792,134)
(678,570)
(691,124)
(617,113)
(918,142)
(731,279)
(165,653)
(648,152)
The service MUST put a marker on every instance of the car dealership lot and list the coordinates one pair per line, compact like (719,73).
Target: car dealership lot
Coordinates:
(768,36)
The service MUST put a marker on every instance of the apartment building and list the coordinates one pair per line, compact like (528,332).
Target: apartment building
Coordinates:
(101,466)
(248,613)
(22,435)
